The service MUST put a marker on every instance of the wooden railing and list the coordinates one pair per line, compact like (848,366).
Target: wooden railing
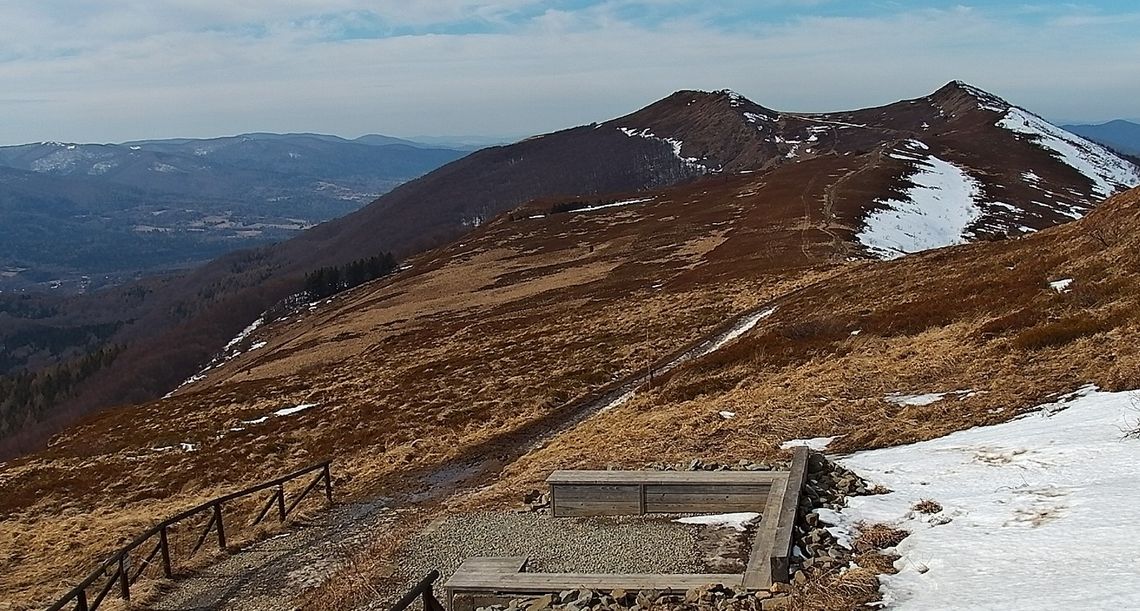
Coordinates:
(120,571)
(421,590)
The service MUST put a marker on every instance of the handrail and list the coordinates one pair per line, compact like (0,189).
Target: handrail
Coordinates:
(120,558)
(423,588)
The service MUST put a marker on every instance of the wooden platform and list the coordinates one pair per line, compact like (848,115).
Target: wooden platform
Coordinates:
(770,557)
(776,494)
(499,577)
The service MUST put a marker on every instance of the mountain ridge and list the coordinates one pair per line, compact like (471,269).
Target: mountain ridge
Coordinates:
(858,166)
(1120,134)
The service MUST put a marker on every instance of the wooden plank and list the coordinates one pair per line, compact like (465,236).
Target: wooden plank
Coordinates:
(758,573)
(664,477)
(604,500)
(538,583)
(750,488)
(671,505)
(494,564)
(582,510)
(782,544)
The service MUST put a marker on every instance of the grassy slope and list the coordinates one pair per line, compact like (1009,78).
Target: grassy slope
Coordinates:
(474,344)
(979,317)
(490,335)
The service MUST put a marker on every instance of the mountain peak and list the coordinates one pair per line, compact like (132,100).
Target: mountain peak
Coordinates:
(959,91)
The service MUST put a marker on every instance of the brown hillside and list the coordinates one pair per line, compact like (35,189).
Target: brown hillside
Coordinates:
(475,352)
(173,327)
(488,337)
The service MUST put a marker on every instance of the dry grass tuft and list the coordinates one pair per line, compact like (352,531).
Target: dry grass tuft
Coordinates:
(876,537)
(835,591)
(927,506)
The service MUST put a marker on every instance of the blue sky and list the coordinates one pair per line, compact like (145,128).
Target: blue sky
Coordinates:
(75,70)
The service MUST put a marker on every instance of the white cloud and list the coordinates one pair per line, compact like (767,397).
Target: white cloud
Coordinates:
(213,67)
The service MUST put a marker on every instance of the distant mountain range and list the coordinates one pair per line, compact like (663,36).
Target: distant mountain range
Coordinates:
(77,216)
(1124,136)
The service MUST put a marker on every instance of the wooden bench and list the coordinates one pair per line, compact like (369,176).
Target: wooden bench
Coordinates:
(619,493)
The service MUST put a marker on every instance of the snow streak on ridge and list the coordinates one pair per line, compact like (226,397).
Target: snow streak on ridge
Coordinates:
(1107,171)
(692,162)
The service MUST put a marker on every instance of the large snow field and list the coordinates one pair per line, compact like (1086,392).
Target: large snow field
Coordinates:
(934,212)
(1038,513)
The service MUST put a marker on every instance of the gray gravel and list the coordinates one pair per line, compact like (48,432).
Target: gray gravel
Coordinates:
(627,544)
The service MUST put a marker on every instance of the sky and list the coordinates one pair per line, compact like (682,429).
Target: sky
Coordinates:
(116,70)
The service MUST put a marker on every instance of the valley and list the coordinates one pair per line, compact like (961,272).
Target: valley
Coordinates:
(119,211)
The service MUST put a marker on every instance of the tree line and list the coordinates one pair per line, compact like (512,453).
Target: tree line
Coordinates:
(330,280)
(25,397)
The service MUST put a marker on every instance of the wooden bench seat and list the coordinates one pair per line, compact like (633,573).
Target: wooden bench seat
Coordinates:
(610,493)
(493,564)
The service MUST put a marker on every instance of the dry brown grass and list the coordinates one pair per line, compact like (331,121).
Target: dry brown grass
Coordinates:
(495,335)
(927,506)
(450,363)
(874,537)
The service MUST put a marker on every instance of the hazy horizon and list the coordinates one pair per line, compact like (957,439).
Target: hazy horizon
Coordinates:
(83,72)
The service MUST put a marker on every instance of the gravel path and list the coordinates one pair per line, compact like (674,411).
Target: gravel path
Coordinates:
(625,544)
(557,545)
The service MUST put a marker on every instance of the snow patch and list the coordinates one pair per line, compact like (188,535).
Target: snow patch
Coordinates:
(624,202)
(1034,510)
(924,399)
(1108,172)
(1062,285)
(934,212)
(245,333)
(738,521)
(289,411)
(744,326)
(818,444)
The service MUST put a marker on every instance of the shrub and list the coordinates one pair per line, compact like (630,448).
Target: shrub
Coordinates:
(1061,332)
(1015,321)
(927,506)
(877,537)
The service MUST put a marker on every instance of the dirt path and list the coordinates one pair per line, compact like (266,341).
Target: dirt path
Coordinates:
(265,576)
(268,576)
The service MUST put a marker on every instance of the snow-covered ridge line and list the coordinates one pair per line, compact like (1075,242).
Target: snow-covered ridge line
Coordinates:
(1108,172)
(692,162)
(934,212)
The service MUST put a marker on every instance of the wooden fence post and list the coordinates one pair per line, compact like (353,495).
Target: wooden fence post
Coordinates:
(81,601)
(281,502)
(124,579)
(328,484)
(164,543)
(221,529)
